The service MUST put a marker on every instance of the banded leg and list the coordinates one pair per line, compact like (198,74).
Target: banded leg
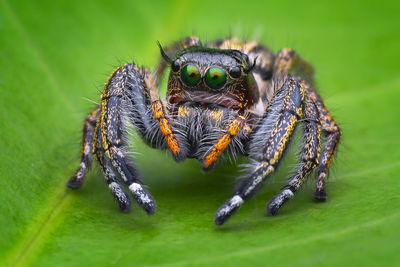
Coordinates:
(87,142)
(119,194)
(130,176)
(308,158)
(126,85)
(289,62)
(286,62)
(285,124)
(332,132)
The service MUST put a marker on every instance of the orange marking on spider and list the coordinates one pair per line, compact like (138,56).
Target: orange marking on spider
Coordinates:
(165,127)
(224,141)
(212,157)
(173,144)
(236,125)
(157,109)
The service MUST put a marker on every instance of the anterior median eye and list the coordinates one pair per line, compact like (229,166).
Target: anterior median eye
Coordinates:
(190,75)
(215,78)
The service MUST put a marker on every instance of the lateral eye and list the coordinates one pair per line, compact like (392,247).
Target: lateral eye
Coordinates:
(215,78)
(246,59)
(175,66)
(190,75)
(235,72)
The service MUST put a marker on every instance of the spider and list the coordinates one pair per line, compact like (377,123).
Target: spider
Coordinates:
(225,96)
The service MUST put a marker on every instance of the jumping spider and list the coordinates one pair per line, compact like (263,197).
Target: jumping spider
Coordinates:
(225,95)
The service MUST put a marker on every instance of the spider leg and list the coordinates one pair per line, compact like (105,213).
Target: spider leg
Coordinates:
(288,61)
(332,132)
(289,105)
(119,194)
(309,157)
(126,99)
(87,142)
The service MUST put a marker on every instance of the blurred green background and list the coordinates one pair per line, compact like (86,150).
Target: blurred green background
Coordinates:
(55,55)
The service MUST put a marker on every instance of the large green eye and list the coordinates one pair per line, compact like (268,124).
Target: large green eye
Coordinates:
(215,78)
(190,75)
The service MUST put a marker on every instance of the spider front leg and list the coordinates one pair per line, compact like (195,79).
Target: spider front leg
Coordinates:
(274,135)
(118,192)
(131,98)
(125,102)
(309,157)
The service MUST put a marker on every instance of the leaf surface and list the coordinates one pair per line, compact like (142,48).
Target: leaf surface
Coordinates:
(56,55)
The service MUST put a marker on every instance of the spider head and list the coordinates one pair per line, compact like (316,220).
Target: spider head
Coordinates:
(211,76)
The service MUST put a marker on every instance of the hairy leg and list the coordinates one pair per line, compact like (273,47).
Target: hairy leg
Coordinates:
(125,99)
(332,132)
(288,61)
(87,143)
(266,160)
(309,156)
(118,192)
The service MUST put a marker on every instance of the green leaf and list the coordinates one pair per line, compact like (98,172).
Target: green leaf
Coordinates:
(54,55)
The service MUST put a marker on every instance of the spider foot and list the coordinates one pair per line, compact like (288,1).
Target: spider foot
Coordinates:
(228,209)
(276,202)
(121,197)
(77,180)
(320,195)
(75,183)
(319,192)
(143,198)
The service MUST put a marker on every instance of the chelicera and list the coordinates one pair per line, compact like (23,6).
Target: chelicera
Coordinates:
(225,96)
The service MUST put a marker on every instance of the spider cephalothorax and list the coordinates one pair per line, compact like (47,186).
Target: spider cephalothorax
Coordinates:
(212,76)
(223,97)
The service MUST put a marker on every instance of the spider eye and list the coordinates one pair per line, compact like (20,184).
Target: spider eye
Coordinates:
(215,78)
(175,66)
(246,59)
(190,75)
(235,72)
